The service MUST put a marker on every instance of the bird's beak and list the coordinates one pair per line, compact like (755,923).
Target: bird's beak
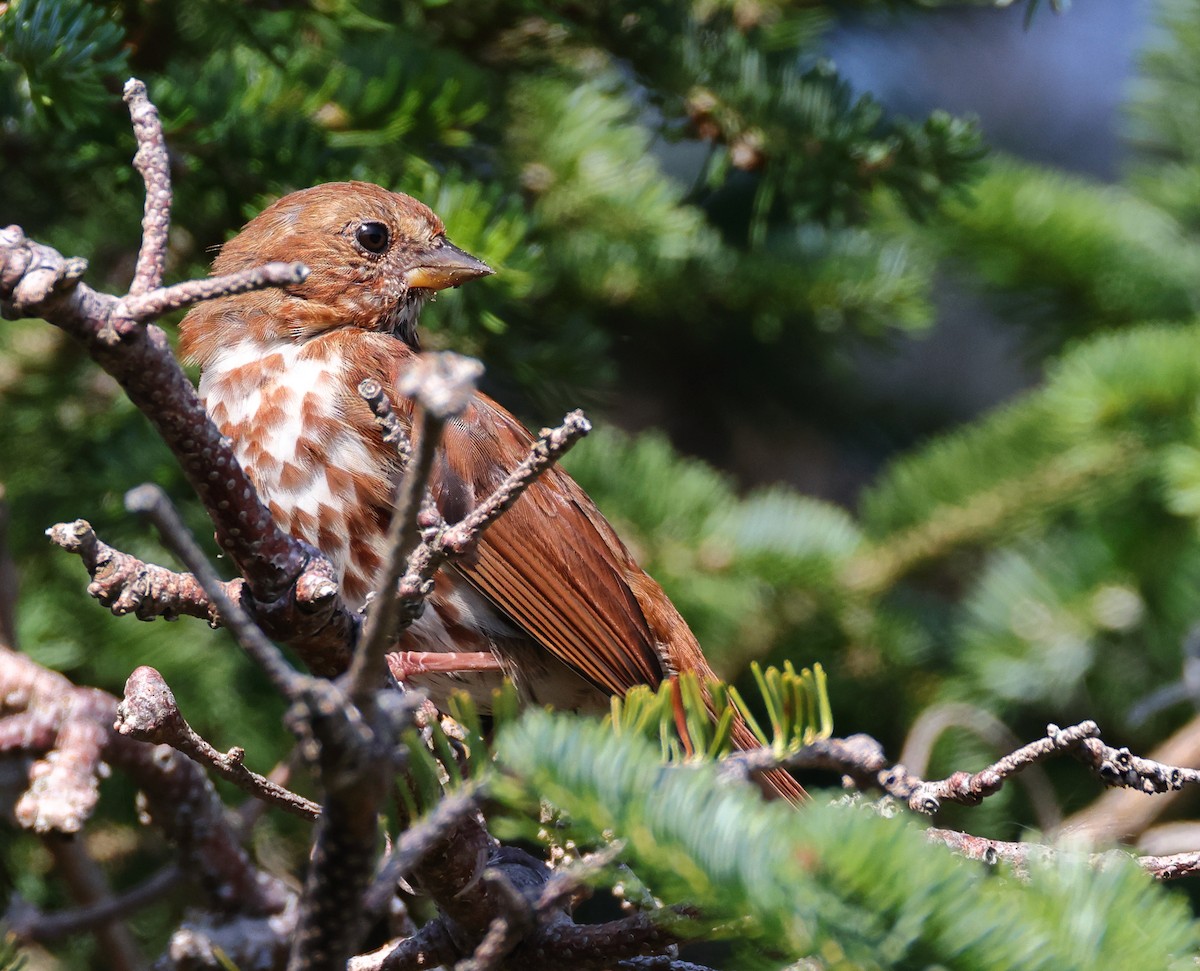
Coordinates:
(445,266)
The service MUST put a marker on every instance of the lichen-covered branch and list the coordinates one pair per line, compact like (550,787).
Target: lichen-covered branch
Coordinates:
(154,165)
(124,584)
(77,736)
(148,712)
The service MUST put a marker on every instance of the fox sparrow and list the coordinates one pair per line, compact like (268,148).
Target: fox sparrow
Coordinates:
(550,591)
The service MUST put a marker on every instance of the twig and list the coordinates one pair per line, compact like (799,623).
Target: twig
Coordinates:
(149,713)
(513,922)
(30,924)
(430,947)
(65,783)
(442,386)
(124,584)
(354,752)
(389,423)
(177,795)
(1172,867)
(89,887)
(152,305)
(566,946)
(1123,814)
(859,758)
(29,732)
(551,445)
(449,873)
(216,941)
(1114,766)
(1020,855)
(152,162)
(153,502)
(281,572)
(417,841)
(484,921)
(248,814)
(934,721)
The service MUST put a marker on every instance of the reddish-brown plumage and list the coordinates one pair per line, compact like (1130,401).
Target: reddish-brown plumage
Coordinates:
(550,590)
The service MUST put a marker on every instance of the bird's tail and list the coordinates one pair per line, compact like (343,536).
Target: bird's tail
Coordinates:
(775,783)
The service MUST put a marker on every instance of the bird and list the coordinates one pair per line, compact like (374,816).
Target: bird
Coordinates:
(549,591)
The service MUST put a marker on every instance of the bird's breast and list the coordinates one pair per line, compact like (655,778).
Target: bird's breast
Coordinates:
(328,481)
(281,408)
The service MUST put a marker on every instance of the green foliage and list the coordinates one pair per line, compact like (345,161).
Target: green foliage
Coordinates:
(10,958)
(621,224)
(1071,255)
(844,885)
(797,706)
(1163,115)
(443,754)
(59,54)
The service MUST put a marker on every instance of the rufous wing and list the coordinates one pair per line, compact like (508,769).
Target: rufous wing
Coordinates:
(555,566)
(552,563)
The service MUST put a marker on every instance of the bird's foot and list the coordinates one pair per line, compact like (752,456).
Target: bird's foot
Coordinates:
(406,664)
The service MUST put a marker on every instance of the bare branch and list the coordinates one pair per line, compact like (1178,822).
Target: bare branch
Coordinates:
(152,501)
(413,565)
(393,429)
(504,911)
(1123,814)
(1117,767)
(415,843)
(28,923)
(177,795)
(149,713)
(64,785)
(860,758)
(31,274)
(932,722)
(430,947)
(36,280)
(1021,855)
(566,946)
(442,386)
(88,885)
(217,942)
(152,305)
(514,921)
(152,162)
(1173,867)
(125,584)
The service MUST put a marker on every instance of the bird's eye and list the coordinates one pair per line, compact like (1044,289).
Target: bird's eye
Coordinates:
(373,237)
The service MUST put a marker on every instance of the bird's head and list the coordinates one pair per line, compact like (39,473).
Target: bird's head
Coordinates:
(375,257)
